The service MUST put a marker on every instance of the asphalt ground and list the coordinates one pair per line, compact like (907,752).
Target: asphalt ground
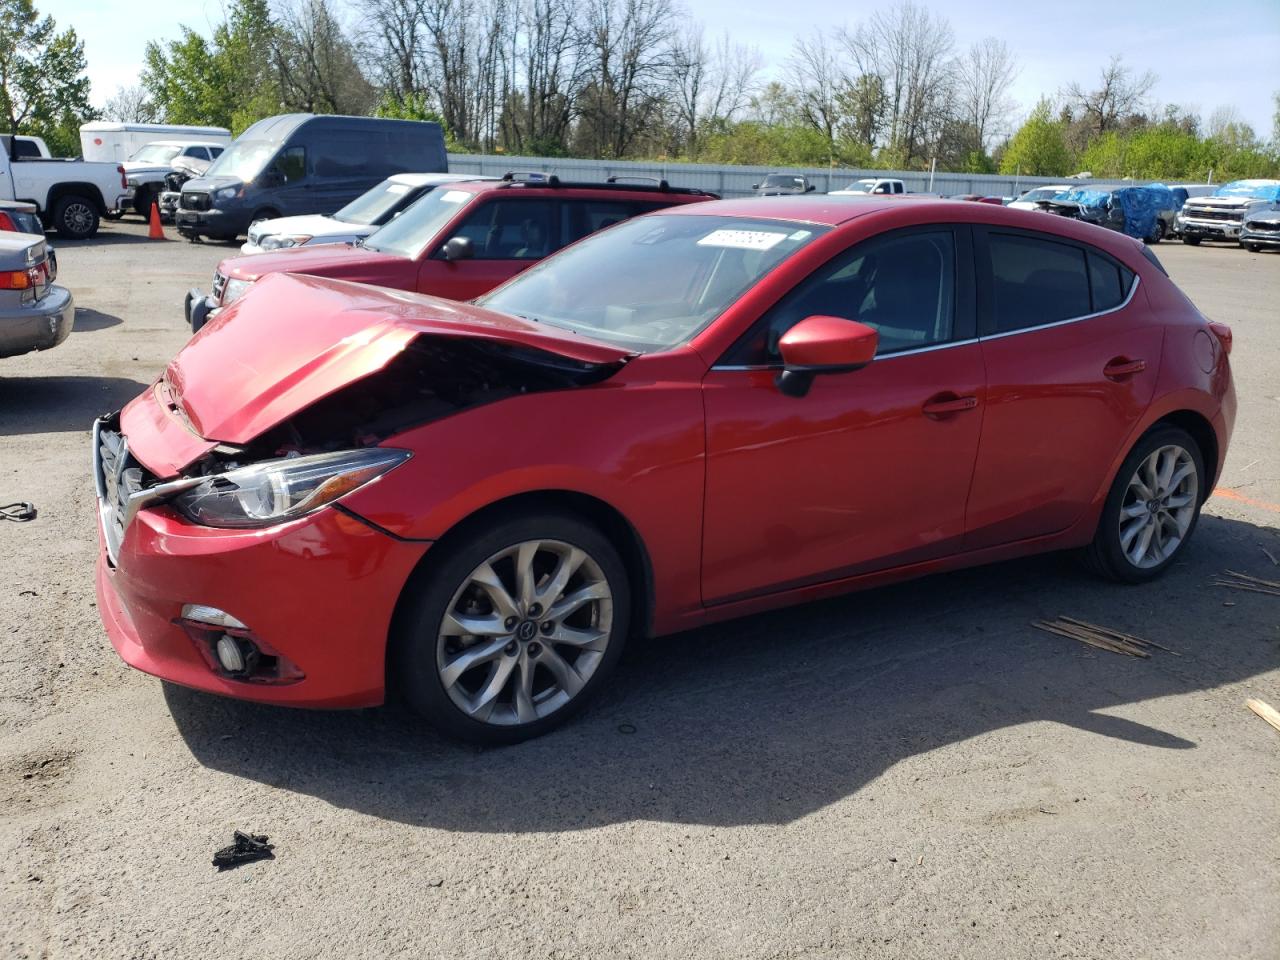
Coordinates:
(908,772)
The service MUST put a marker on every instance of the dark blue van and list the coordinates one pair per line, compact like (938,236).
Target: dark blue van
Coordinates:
(300,163)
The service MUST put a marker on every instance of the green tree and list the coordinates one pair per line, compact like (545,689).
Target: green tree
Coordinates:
(43,89)
(225,81)
(1039,148)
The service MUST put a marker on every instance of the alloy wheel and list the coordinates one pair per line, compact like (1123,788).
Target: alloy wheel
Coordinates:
(524,632)
(1159,506)
(78,217)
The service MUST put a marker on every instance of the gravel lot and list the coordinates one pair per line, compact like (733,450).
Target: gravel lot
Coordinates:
(911,772)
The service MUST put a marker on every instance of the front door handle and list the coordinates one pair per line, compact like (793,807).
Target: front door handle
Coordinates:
(946,404)
(1120,368)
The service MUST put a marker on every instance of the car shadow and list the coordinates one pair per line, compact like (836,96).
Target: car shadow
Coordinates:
(105,236)
(60,404)
(89,321)
(769,718)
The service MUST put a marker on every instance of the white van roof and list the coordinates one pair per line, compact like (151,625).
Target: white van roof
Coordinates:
(161,129)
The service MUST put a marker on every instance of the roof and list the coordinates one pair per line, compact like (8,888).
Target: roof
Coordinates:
(818,208)
(432,179)
(477,184)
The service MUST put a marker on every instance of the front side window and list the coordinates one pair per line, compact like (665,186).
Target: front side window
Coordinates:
(654,282)
(903,286)
(509,230)
(292,164)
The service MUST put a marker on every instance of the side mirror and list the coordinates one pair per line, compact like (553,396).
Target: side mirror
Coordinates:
(755,186)
(823,345)
(458,248)
(810,188)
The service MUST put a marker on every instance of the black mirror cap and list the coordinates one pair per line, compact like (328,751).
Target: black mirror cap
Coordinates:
(458,248)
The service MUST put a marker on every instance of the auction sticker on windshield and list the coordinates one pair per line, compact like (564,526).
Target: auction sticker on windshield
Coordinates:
(743,239)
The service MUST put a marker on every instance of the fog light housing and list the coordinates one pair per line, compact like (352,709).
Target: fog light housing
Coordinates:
(231,650)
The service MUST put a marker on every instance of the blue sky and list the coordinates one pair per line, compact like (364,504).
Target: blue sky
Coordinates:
(1206,55)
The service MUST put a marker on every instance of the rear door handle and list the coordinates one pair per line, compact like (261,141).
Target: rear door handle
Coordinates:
(946,404)
(1121,367)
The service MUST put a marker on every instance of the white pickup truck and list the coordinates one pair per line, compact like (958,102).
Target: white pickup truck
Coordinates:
(71,195)
(877,186)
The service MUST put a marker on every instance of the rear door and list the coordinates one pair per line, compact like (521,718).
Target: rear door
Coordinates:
(508,233)
(1072,354)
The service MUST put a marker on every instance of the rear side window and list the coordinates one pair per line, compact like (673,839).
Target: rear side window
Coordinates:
(25,148)
(215,152)
(1109,282)
(1035,282)
(580,218)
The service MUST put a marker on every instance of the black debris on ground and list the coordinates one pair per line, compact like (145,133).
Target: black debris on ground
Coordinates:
(247,848)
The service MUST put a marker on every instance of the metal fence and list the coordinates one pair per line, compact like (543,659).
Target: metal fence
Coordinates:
(735,181)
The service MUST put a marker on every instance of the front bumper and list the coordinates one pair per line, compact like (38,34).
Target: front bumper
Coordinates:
(1261,238)
(1208,229)
(199,309)
(319,591)
(39,325)
(210,223)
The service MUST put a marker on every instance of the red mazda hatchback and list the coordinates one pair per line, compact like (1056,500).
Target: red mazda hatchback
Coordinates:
(697,414)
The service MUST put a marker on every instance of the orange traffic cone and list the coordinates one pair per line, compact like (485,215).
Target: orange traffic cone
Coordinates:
(156,232)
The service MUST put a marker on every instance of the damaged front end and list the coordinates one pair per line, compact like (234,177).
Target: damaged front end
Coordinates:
(247,432)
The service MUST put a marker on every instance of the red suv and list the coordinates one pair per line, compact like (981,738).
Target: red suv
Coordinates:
(458,242)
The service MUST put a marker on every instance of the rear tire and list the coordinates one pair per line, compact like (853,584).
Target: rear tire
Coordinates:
(1152,509)
(1191,241)
(527,669)
(1254,247)
(75,217)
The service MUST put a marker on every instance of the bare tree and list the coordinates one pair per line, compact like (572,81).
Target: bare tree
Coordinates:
(130,105)
(1120,94)
(627,43)
(983,78)
(393,46)
(316,63)
(910,49)
(709,84)
(546,67)
(820,82)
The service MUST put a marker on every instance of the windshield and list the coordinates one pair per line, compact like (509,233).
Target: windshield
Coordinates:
(243,160)
(860,186)
(414,230)
(378,204)
(157,153)
(651,283)
(1044,193)
(1253,189)
(776,180)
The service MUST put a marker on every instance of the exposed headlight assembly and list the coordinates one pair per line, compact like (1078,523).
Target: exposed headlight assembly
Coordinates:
(274,491)
(234,290)
(281,241)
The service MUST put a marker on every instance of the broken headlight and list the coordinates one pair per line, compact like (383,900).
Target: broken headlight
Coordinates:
(278,490)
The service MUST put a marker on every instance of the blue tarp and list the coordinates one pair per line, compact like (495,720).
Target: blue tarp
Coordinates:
(1140,206)
(1257,189)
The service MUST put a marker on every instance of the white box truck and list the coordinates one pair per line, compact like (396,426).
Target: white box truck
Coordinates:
(105,140)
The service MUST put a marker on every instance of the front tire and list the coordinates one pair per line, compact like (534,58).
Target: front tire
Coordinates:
(513,629)
(75,217)
(1254,247)
(1152,508)
(1191,241)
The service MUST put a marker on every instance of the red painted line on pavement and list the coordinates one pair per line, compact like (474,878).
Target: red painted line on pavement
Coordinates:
(1251,501)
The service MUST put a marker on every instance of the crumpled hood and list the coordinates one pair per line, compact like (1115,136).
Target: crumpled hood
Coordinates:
(210,184)
(293,340)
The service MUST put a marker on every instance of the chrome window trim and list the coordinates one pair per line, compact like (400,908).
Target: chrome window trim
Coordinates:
(1133,289)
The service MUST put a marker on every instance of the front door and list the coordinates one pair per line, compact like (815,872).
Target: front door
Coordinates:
(869,470)
(507,236)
